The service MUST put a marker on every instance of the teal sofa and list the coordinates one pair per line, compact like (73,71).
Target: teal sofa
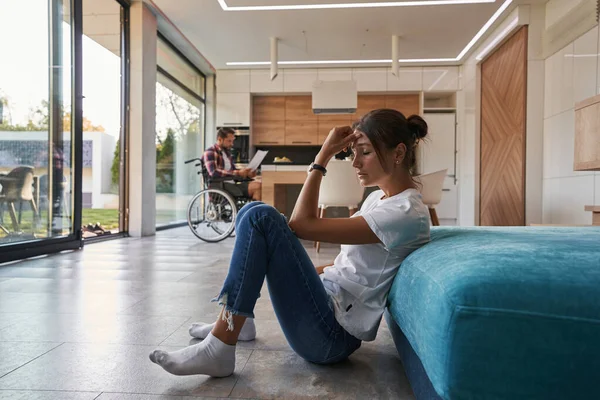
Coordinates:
(500,313)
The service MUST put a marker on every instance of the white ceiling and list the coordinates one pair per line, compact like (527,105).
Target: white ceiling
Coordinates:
(326,34)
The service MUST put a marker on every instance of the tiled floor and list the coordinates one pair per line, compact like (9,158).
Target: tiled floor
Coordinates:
(81,325)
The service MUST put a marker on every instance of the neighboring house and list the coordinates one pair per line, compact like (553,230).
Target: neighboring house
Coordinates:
(31,148)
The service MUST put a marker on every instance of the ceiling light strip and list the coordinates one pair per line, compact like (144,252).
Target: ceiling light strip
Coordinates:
(468,47)
(498,38)
(484,29)
(326,62)
(418,3)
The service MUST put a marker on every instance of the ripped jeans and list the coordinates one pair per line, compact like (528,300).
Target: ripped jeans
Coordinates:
(266,247)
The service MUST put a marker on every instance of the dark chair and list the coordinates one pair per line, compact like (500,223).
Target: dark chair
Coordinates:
(17,187)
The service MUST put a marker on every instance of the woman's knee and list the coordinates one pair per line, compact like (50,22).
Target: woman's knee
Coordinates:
(244,210)
(262,210)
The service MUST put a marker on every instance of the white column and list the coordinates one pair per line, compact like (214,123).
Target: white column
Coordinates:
(142,121)
(534,161)
(211,108)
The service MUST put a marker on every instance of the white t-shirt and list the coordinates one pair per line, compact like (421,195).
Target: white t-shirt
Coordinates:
(362,275)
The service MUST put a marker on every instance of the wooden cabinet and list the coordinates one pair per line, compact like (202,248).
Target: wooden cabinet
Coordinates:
(290,121)
(407,104)
(326,126)
(268,120)
(268,133)
(268,108)
(299,108)
(301,133)
(587,136)
(368,103)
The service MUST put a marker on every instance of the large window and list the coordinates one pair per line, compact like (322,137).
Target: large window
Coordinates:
(37,170)
(103,130)
(179,133)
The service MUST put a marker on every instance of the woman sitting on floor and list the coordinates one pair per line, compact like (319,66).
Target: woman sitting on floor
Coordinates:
(324,318)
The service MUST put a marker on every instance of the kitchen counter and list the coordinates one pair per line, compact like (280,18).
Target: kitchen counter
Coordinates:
(275,177)
(284,167)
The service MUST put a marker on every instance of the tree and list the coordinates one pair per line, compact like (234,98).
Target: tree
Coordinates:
(115,168)
(164,163)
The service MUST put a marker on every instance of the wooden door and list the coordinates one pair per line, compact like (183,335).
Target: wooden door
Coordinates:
(503,114)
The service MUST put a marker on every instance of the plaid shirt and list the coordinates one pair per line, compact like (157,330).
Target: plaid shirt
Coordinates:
(215,162)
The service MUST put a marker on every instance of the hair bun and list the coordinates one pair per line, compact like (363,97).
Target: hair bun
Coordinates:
(417,126)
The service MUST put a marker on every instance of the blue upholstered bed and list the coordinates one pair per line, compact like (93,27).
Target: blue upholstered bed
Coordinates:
(500,313)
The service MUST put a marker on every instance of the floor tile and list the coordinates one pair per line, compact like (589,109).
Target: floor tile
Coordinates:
(284,375)
(98,328)
(126,396)
(46,395)
(15,355)
(65,303)
(114,368)
(8,319)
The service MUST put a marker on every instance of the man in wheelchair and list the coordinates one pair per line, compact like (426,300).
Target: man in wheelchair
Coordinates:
(219,165)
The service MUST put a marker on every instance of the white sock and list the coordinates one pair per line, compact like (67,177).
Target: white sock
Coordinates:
(209,357)
(201,330)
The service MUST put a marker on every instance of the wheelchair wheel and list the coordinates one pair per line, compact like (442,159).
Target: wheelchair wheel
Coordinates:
(211,215)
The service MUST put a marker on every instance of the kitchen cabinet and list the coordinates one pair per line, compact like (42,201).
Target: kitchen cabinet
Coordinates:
(325,127)
(233,81)
(268,133)
(299,108)
(298,80)
(260,81)
(368,103)
(407,104)
(268,108)
(370,79)
(233,109)
(440,79)
(335,74)
(301,133)
(408,79)
(438,152)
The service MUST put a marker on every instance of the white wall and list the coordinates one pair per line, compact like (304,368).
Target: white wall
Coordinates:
(572,74)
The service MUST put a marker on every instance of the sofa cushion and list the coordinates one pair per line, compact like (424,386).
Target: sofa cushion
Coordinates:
(504,312)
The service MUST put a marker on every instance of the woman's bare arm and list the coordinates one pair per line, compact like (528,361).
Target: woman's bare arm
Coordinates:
(304,220)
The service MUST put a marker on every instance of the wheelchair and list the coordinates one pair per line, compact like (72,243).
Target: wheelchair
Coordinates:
(211,212)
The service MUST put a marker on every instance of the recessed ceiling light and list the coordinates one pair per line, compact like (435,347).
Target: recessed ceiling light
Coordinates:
(374,4)
(464,51)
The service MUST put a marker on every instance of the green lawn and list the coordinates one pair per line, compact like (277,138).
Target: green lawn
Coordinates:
(109,219)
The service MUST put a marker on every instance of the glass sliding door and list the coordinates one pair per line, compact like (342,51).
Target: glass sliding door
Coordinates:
(179,133)
(104,26)
(38,172)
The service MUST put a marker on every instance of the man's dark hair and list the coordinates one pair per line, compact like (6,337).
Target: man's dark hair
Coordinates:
(224,132)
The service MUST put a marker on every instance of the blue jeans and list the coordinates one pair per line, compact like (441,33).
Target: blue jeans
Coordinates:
(266,247)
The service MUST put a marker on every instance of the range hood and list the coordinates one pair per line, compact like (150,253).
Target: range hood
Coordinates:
(334,97)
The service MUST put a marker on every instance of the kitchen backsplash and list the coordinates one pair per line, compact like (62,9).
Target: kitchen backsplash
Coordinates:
(299,155)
